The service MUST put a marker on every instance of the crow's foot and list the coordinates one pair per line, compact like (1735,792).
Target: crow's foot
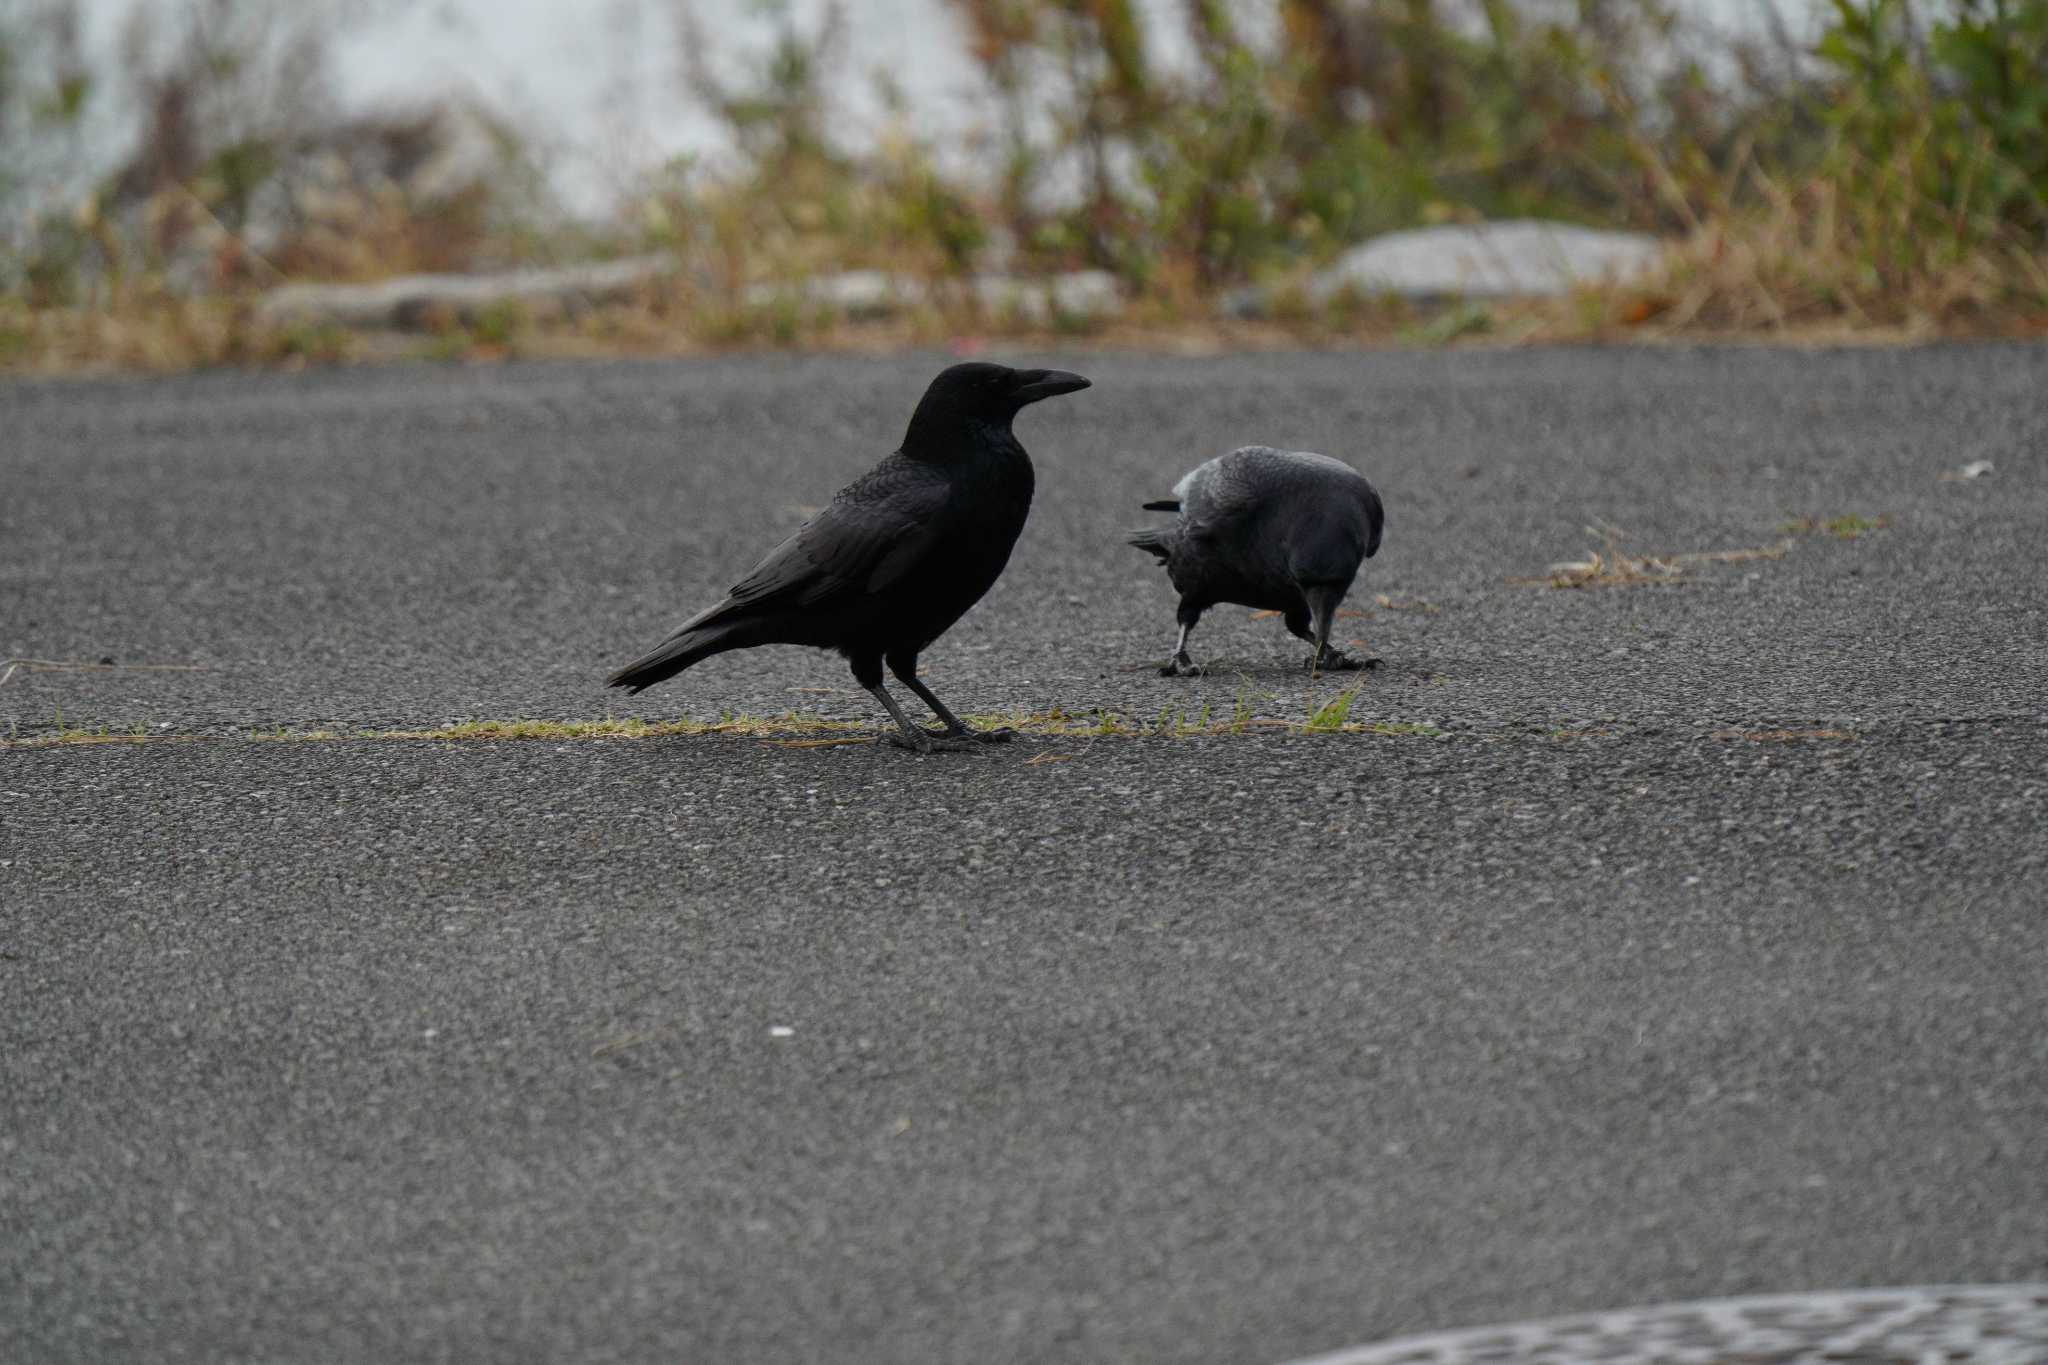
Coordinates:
(1337,661)
(1181,666)
(934,741)
(1002,734)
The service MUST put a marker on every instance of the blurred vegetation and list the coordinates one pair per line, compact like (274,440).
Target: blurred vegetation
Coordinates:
(1893,175)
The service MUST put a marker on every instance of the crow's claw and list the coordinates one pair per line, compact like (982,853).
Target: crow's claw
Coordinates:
(1181,666)
(1002,734)
(1337,661)
(934,741)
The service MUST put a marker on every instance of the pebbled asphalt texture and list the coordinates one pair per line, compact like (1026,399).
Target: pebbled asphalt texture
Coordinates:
(1693,945)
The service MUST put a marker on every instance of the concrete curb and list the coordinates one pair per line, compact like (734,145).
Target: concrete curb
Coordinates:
(1980,1324)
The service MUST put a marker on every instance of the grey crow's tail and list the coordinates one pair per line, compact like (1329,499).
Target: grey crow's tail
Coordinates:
(1157,540)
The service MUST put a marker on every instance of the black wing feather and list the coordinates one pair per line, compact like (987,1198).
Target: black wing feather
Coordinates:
(873,534)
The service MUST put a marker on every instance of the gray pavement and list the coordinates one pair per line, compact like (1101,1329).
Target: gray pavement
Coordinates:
(1698,950)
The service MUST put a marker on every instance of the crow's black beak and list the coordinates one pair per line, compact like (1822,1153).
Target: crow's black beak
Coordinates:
(1033,385)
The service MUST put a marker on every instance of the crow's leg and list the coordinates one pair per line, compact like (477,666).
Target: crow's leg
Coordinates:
(867,671)
(904,666)
(1316,630)
(1181,665)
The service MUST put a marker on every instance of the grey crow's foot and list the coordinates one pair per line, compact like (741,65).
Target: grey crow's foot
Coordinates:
(1181,666)
(1337,661)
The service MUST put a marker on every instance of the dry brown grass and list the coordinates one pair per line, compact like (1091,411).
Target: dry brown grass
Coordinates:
(1714,292)
(1803,269)
(1732,282)
(1783,736)
(791,730)
(10,668)
(1612,566)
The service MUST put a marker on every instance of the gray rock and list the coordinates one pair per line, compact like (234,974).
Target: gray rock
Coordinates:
(875,293)
(1518,258)
(856,293)
(1077,293)
(407,299)
(1524,257)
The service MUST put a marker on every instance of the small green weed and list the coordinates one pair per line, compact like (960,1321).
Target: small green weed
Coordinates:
(1460,320)
(1332,714)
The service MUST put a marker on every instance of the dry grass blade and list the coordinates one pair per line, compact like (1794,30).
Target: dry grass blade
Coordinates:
(73,738)
(26,666)
(1614,567)
(621,1044)
(1604,571)
(1777,551)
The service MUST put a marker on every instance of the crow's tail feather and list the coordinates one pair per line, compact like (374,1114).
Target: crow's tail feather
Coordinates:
(694,643)
(1153,539)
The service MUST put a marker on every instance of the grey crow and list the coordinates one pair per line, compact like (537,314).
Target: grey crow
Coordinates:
(1277,530)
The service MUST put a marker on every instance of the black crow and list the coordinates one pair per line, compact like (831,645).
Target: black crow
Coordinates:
(900,554)
(1278,530)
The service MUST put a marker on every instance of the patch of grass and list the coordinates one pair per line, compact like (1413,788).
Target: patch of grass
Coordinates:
(1463,319)
(1334,717)
(1841,528)
(1612,566)
(1600,570)
(1607,568)
(788,725)
(1332,714)
(499,326)
(789,730)
(317,343)
(67,734)
(1109,723)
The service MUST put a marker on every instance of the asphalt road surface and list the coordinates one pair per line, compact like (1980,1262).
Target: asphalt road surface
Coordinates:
(1666,941)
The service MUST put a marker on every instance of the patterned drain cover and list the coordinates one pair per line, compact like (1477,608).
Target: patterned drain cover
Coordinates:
(1933,1325)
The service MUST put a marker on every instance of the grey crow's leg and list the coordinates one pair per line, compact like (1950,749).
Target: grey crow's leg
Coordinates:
(904,666)
(1181,665)
(1324,602)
